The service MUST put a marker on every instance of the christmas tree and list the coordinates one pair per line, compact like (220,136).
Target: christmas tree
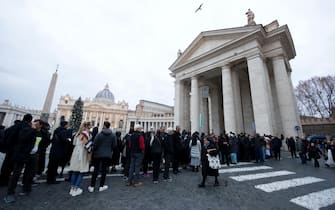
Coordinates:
(77,114)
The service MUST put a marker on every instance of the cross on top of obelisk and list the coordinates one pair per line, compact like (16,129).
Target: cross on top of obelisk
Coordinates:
(57,68)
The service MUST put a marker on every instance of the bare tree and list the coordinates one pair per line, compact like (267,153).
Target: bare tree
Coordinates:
(316,96)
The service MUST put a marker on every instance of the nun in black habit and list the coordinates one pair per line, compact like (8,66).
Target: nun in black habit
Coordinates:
(209,147)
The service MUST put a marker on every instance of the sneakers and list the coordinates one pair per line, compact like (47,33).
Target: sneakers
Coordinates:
(129,184)
(77,192)
(103,188)
(138,184)
(9,199)
(91,189)
(155,182)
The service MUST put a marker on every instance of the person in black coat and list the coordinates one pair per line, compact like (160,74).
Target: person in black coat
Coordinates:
(60,139)
(177,147)
(211,149)
(291,146)
(116,152)
(314,153)
(126,152)
(42,147)
(168,149)
(224,148)
(24,157)
(156,155)
(276,145)
(12,137)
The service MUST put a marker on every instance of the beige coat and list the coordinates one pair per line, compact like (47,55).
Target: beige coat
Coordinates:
(79,159)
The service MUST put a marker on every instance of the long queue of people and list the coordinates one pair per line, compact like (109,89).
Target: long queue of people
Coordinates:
(26,143)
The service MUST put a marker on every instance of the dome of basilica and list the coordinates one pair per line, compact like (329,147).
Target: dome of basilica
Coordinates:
(105,95)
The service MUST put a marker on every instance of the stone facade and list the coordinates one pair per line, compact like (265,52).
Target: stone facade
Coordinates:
(151,115)
(313,125)
(247,75)
(101,108)
(9,113)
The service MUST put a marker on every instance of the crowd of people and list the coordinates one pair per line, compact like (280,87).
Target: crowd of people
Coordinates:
(26,142)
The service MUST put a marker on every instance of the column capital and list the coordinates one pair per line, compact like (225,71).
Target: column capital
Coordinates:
(278,57)
(194,77)
(256,55)
(226,66)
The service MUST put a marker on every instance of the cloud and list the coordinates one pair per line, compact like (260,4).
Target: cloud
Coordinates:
(130,44)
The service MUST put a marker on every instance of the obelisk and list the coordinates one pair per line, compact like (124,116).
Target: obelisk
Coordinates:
(48,99)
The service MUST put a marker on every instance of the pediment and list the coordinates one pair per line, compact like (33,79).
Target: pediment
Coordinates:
(208,41)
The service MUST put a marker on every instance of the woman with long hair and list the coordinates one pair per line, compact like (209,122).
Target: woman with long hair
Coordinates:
(80,159)
(195,147)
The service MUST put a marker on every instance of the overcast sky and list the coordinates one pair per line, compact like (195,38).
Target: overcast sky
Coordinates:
(130,44)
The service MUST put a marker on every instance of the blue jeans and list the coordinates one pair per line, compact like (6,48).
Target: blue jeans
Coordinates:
(76,179)
(135,166)
(259,154)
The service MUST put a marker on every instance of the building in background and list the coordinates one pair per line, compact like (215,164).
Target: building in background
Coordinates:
(151,115)
(9,113)
(239,80)
(99,109)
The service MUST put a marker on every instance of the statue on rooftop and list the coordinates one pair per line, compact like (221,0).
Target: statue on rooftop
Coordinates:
(251,17)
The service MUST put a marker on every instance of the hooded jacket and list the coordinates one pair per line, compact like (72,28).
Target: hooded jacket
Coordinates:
(104,144)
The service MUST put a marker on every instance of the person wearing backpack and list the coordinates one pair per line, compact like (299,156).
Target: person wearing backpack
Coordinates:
(156,155)
(11,137)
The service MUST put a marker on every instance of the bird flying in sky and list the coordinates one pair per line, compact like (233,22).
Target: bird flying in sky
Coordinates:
(199,8)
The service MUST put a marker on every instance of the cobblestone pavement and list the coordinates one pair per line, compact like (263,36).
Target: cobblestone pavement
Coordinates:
(284,184)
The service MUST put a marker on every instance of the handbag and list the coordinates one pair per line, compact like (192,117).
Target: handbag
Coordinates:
(214,161)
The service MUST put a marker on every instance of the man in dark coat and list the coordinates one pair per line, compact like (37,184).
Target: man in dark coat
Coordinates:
(168,149)
(276,145)
(57,151)
(103,146)
(24,157)
(12,136)
(42,147)
(177,147)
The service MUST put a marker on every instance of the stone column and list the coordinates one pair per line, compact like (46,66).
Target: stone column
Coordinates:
(260,95)
(210,126)
(177,102)
(237,101)
(194,105)
(228,100)
(287,105)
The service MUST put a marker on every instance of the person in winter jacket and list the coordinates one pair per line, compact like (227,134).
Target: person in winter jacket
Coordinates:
(80,160)
(156,155)
(315,153)
(103,146)
(25,157)
(136,146)
(11,136)
(209,148)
